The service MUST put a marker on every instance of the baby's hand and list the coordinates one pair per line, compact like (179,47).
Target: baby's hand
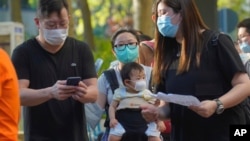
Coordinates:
(113,123)
(157,102)
(160,126)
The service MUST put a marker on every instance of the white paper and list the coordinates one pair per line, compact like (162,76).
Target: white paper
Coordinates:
(185,100)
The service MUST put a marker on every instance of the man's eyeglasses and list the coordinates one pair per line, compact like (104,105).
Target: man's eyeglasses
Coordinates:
(122,47)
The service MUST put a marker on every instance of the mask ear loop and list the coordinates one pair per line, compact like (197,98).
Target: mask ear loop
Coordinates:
(129,85)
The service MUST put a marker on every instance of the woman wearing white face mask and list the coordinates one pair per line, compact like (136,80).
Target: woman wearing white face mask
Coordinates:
(124,111)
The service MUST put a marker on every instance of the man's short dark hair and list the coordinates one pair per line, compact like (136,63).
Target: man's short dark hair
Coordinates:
(46,7)
(245,23)
(127,69)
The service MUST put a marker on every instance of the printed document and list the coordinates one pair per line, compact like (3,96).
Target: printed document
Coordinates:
(185,100)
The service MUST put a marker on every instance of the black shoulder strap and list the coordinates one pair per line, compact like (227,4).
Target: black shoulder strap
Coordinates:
(214,39)
(113,82)
(112,79)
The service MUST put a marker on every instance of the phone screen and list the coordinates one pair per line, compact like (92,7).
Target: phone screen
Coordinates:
(73,81)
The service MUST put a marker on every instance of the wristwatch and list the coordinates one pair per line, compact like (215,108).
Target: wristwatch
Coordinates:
(220,107)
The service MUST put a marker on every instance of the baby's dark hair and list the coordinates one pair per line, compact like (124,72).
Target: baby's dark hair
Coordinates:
(127,69)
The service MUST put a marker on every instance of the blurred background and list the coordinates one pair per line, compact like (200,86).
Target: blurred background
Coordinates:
(94,21)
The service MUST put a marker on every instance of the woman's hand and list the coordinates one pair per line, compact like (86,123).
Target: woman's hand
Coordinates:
(149,112)
(205,109)
(161,126)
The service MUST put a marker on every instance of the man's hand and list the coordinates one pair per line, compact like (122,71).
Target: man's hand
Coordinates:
(61,91)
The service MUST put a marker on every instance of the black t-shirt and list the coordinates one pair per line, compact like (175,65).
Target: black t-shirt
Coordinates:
(212,79)
(54,120)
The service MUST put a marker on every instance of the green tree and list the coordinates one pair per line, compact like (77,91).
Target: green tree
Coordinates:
(241,7)
(15,10)
(71,22)
(86,16)
(142,16)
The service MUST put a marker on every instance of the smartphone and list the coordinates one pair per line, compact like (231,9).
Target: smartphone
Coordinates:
(73,81)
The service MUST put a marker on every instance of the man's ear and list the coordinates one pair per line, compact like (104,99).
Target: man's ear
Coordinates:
(37,23)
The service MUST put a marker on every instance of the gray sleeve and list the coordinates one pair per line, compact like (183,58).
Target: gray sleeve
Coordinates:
(104,87)
(102,84)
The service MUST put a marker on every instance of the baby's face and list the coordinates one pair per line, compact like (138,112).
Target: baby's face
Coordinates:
(135,75)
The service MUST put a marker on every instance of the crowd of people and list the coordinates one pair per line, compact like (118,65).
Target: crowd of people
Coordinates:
(53,76)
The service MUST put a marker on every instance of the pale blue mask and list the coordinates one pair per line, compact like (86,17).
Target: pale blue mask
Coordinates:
(245,47)
(166,28)
(128,54)
(244,57)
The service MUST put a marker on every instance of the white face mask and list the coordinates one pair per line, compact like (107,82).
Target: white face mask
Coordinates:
(55,36)
(140,85)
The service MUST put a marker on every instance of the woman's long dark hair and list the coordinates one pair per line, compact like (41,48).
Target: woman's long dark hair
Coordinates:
(190,27)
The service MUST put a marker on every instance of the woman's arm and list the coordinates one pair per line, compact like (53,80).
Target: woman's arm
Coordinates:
(239,92)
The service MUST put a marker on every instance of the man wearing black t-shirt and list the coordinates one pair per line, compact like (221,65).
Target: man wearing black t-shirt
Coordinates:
(53,111)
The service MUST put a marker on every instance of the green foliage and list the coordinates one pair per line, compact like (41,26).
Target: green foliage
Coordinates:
(101,10)
(241,7)
(103,51)
(237,6)
(33,3)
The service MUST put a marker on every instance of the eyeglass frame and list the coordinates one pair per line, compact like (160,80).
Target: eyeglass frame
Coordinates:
(123,46)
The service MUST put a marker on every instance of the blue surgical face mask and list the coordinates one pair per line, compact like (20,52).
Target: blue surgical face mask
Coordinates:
(129,54)
(244,57)
(245,47)
(166,28)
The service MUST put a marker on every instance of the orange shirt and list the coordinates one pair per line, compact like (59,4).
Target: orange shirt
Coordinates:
(9,99)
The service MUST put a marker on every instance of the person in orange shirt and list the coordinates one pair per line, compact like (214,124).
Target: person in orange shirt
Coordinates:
(9,99)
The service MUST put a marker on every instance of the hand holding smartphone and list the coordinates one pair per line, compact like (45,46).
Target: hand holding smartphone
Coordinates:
(73,81)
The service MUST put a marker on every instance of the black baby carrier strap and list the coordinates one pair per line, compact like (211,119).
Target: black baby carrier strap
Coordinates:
(113,82)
